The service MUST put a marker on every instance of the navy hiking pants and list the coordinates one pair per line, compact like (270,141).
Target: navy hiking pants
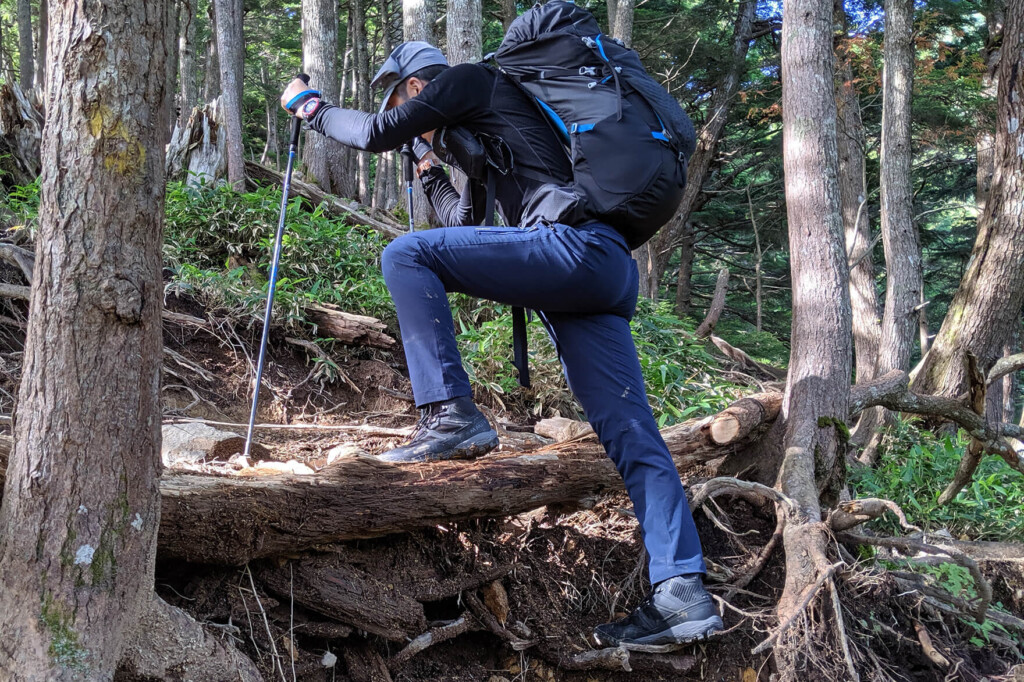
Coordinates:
(583,281)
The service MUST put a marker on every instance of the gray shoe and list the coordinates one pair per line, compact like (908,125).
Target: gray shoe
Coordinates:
(451,429)
(677,612)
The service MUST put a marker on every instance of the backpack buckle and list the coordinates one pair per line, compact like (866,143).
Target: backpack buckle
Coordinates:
(589,42)
(588,71)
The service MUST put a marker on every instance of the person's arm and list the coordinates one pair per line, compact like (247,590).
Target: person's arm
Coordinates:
(452,209)
(453,96)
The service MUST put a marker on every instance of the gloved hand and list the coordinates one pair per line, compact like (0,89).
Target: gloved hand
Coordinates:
(299,99)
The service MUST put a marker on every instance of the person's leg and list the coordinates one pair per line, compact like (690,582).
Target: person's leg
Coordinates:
(550,268)
(603,371)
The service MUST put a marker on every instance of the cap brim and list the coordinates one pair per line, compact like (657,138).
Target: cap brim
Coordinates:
(387,96)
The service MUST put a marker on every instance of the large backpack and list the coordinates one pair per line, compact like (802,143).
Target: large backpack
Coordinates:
(628,139)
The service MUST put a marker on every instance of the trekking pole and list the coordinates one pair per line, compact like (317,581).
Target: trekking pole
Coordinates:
(407,165)
(292,150)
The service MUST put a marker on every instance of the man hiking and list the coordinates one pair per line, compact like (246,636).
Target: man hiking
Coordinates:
(580,278)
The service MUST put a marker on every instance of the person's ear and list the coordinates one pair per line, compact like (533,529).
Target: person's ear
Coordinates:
(414,86)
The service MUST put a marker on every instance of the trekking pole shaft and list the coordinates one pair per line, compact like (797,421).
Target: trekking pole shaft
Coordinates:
(407,171)
(278,238)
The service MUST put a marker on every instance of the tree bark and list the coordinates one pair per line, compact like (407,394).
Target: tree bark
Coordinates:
(717,305)
(188,84)
(40,58)
(903,272)
(211,78)
(678,230)
(817,393)
(26,69)
(508,14)
(320,61)
(81,506)
(867,329)
(684,280)
(363,100)
(985,309)
(231,52)
(418,17)
(464,30)
(985,140)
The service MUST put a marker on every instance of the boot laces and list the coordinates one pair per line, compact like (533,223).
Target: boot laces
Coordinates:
(430,417)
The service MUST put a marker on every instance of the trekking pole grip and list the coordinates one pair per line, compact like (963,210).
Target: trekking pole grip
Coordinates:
(296,121)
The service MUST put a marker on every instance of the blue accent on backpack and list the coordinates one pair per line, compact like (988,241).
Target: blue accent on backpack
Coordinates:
(628,139)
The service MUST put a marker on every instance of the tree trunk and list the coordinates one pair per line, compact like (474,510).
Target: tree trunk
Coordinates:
(188,85)
(985,310)
(25,62)
(211,80)
(464,27)
(903,273)
(817,393)
(508,14)
(613,13)
(231,51)
(684,292)
(678,229)
(853,194)
(81,506)
(418,17)
(985,140)
(44,30)
(320,61)
(363,99)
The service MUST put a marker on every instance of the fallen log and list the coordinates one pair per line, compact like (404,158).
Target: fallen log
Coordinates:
(335,323)
(230,520)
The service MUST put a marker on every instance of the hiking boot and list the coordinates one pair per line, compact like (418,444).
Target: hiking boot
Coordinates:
(677,612)
(451,429)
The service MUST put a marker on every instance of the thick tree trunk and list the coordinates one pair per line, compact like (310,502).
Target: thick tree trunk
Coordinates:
(904,276)
(817,392)
(363,100)
(867,330)
(508,13)
(418,17)
(679,229)
(613,12)
(986,307)
(231,51)
(81,506)
(985,141)
(188,84)
(464,30)
(320,61)
(43,36)
(26,68)
(211,77)
(684,280)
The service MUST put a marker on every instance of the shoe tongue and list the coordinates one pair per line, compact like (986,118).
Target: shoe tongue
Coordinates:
(681,587)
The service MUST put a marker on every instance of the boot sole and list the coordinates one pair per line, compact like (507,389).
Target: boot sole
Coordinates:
(680,636)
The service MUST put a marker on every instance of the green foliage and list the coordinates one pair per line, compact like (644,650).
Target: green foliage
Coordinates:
(23,207)
(916,466)
(218,244)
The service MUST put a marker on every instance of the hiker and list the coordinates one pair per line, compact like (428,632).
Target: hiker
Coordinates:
(580,277)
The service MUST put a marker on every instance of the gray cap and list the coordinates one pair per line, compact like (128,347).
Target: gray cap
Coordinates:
(404,61)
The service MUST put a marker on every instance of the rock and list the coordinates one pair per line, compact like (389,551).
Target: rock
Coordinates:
(561,429)
(193,442)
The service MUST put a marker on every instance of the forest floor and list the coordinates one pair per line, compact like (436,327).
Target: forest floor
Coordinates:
(562,571)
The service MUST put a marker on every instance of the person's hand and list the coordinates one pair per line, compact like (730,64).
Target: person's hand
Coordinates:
(426,162)
(298,98)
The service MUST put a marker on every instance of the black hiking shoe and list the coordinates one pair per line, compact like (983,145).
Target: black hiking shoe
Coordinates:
(677,612)
(451,429)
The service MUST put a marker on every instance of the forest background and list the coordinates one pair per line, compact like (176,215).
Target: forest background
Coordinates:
(914,167)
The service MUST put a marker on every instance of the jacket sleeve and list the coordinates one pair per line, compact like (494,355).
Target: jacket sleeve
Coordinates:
(455,95)
(453,209)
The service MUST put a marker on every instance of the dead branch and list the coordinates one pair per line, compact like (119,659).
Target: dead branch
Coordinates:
(910,547)
(929,649)
(435,635)
(22,258)
(950,603)
(317,197)
(748,574)
(483,614)
(332,322)
(1004,366)
(717,305)
(855,512)
(598,659)
(362,429)
(16,291)
(892,392)
(738,356)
